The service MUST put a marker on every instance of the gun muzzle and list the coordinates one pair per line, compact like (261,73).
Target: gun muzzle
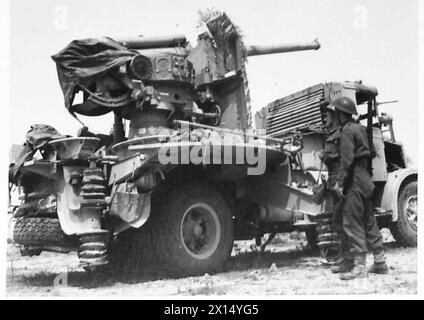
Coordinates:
(270,49)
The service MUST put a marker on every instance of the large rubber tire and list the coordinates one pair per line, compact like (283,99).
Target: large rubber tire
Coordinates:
(40,231)
(405,232)
(161,241)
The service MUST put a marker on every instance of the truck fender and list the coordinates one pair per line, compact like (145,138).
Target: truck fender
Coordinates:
(130,206)
(389,200)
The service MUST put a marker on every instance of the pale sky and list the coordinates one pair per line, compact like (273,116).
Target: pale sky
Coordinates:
(371,40)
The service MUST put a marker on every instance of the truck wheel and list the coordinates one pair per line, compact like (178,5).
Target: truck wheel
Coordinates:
(191,232)
(41,231)
(404,230)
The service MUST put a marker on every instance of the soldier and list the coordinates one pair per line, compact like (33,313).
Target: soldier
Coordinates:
(355,186)
(330,157)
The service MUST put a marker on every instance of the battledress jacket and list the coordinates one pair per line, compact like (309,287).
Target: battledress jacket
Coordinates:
(354,152)
(330,155)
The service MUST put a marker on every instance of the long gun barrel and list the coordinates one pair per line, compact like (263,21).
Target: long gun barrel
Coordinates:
(142,42)
(270,49)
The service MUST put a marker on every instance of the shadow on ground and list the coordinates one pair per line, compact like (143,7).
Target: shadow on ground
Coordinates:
(243,261)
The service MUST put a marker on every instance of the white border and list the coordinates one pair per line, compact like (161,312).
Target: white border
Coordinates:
(4,115)
(420,248)
(4,133)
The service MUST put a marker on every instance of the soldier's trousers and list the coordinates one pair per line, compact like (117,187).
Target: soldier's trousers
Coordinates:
(338,225)
(359,223)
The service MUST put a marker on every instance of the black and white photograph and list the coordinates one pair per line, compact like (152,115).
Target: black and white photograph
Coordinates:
(211,149)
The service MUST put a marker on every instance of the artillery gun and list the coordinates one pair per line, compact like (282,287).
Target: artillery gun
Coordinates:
(185,178)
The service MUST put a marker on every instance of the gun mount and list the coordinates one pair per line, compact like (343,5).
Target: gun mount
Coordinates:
(154,80)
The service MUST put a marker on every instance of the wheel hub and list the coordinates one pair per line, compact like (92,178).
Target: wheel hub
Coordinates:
(411,210)
(200,230)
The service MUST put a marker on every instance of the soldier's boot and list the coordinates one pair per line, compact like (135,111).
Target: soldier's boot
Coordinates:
(344,264)
(359,270)
(339,260)
(379,266)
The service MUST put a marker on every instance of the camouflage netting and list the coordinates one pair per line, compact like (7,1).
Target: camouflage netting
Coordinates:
(226,35)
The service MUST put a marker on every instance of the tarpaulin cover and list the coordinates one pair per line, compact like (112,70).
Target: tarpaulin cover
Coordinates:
(82,61)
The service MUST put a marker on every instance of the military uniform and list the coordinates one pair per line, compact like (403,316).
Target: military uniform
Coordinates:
(330,155)
(354,178)
(330,158)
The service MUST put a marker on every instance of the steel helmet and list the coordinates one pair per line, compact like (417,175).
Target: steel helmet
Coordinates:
(343,104)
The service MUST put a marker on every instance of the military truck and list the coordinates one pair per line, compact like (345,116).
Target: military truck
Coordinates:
(183,173)
(395,197)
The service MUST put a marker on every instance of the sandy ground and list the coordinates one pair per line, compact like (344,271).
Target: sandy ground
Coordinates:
(287,267)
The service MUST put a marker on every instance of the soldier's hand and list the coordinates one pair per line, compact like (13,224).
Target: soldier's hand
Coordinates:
(339,190)
(83,132)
